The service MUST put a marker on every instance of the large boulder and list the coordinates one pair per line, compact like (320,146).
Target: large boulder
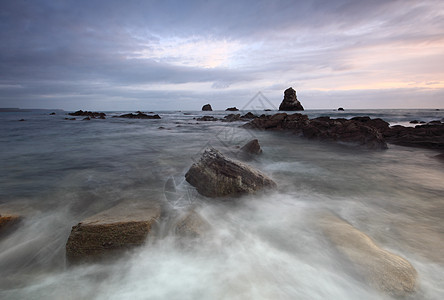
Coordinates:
(121,227)
(382,269)
(217,176)
(207,107)
(290,102)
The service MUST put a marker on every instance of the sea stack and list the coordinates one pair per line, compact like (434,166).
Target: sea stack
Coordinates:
(207,107)
(290,102)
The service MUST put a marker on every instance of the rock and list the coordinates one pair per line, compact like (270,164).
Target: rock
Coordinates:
(382,269)
(340,109)
(248,116)
(252,147)
(191,225)
(207,118)
(207,107)
(121,227)
(8,222)
(232,118)
(414,122)
(53,113)
(232,109)
(87,119)
(217,176)
(22,120)
(290,102)
(139,115)
(90,114)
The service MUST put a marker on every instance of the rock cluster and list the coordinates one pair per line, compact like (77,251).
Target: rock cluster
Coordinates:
(290,102)
(138,115)
(94,115)
(229,118)
(382,269)
(207,107)
(354,131)
(218,176)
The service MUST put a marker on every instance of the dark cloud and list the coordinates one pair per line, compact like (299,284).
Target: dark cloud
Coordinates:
(73,50)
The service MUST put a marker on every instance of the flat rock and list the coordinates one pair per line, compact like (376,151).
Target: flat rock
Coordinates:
(138,115)
(382,269)
(123,226)
(217,176)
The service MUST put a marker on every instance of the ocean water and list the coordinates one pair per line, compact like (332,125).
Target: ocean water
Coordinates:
(56,172)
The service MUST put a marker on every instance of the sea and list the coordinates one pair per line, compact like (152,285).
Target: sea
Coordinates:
(57,172)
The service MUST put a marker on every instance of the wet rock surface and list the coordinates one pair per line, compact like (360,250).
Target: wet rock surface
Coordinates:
(121,227)
(217,176)
(324,128)
(382,269)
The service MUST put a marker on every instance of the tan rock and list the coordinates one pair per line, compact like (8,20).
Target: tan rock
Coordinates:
(192,224)
(381,268)
(121,227)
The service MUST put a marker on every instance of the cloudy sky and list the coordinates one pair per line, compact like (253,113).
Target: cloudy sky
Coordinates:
(162,55)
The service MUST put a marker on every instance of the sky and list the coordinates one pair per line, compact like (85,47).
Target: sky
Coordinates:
(179,55)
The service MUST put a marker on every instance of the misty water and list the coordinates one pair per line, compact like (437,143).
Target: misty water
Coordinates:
(56,172)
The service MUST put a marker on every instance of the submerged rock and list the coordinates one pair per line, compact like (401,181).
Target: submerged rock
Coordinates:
(217,176)
(120,227)
(207,118)
(382,269)
(290,102)
(207,107)
(191,225)
(8,222)
(252,147)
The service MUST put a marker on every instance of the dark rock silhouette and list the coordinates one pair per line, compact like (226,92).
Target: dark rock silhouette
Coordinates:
(207,107)
(290,102)
(340,109)
(232,109)
(139,115)
(90,114)
(217,176)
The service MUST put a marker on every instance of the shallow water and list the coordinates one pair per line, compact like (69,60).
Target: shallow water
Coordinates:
(57,172)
